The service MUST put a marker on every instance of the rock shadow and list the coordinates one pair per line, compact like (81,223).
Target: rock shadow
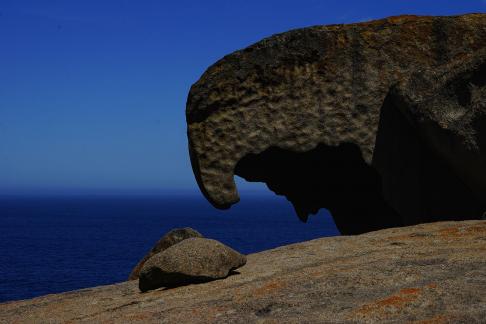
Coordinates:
(183,281)
(336,178)
(407,182)
(419,184)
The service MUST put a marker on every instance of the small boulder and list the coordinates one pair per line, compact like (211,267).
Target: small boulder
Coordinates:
(193,260)
(173,237)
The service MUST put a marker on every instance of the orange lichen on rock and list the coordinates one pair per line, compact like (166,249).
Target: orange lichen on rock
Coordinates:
(390,306)
(458,232)
(478,229)
(451,232)
(269,288)
(439,319)
(399,300)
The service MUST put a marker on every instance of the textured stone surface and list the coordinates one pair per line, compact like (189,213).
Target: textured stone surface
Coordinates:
(193,260)
(173,237)
(429,273)
(407,91)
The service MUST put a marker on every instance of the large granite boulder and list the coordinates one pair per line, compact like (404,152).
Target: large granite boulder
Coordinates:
(173,237)
(428,273)
(194,260)
(382,122)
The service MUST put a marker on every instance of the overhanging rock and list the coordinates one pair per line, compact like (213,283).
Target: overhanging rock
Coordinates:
(382,122)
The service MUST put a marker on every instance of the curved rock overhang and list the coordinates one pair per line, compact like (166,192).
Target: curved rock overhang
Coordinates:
(416,82)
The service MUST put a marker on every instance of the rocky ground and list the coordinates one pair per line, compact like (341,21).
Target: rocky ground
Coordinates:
(432,273)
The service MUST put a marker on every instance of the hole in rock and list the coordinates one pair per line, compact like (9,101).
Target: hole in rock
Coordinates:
(461,86)
(336,178)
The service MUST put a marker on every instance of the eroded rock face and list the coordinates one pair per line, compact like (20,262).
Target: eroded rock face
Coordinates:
(380,122)
(172,237)
(193,260)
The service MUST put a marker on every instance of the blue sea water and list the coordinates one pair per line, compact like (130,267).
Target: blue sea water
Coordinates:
(57,244)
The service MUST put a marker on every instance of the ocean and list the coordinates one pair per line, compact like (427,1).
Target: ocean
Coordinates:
(62,243)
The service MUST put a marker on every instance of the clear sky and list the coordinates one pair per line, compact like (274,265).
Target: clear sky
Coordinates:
(92,93)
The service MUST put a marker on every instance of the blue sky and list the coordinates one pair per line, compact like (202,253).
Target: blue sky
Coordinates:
(92,93)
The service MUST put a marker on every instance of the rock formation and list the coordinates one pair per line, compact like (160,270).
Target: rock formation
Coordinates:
(382,122)
(172,237)
(429,273)
(193,260)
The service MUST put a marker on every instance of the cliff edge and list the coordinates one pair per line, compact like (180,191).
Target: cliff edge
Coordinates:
(428,273)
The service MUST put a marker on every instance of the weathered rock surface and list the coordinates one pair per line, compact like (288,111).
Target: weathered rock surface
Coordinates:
(429,273)
(172,237)
(193,260)
(379,118)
